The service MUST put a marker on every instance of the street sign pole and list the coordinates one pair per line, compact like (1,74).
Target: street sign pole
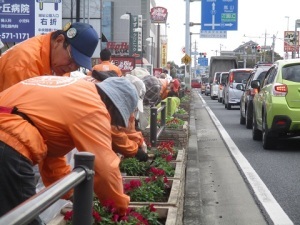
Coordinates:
(296,40)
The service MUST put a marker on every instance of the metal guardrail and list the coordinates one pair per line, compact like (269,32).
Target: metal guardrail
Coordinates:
(81,179)
(154,131)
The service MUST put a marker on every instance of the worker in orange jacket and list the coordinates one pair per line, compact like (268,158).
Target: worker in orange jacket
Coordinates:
(45,117)
(127,141)
(55,53)
(169,88)
(106,65)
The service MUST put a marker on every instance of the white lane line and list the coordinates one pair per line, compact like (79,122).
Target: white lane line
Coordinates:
(262,193)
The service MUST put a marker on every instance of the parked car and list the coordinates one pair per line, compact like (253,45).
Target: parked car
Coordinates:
(196,83)
(222,82)
(215,86)
(232,96)
(276,107)
(207,89)
(246,104)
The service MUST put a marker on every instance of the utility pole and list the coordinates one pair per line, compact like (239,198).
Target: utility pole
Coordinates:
(273,47)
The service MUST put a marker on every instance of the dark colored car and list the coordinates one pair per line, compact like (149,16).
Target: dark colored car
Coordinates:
(246,104)
(232,95)
(196,83)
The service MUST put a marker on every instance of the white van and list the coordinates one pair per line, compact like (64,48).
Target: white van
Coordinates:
(222,82)
(214,86)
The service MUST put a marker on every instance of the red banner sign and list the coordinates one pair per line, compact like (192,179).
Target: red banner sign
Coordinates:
(126,64)
(158,15)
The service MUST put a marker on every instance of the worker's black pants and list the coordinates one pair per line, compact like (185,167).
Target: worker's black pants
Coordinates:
(17,181)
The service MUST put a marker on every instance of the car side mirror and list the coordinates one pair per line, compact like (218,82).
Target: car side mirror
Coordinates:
(240,87)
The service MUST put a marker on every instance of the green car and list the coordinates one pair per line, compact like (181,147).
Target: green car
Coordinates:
(276,110)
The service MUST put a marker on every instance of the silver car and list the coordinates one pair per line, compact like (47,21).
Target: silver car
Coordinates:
(232,96)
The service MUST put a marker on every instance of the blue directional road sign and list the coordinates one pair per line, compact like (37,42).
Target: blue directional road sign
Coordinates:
(219,14)
(202,61)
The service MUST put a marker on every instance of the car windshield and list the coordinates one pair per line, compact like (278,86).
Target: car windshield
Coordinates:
(205,79)
(224,78)
(261,76)
(239,76)
(291,73)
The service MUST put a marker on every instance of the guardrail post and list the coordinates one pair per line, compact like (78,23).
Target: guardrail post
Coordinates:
(163,113)
(83,193)
(153,126)
(169,102)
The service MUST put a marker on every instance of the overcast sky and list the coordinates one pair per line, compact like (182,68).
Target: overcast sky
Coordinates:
(255,19)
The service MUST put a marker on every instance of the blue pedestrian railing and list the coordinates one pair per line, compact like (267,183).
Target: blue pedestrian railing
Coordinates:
(81,179)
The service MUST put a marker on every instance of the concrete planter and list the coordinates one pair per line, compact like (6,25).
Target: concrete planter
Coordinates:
(172,198)
(184,116)
(168,214)
(179,135)
(179,170)
(179,158)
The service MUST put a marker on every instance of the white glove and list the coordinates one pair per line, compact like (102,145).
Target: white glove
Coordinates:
(144,147)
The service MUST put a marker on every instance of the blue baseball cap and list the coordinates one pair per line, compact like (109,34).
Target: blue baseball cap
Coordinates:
(83,40)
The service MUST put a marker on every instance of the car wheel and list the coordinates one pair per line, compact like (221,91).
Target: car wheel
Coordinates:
(248,115)
(242,119)
(228,106)
(267,141)
(256,134)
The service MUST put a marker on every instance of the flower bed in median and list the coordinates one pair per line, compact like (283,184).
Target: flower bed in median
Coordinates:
(106,214)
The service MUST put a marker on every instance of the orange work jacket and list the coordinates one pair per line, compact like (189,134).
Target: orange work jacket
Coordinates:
(106,66)
(27,59)
(164,88)
(67,113)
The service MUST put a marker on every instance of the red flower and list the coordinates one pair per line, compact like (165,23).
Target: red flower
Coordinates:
(115,218)
(152,208)
(68,216)
(108,204)
(127,187)
(96,216)
(157,172)
(124,218)
(135,183)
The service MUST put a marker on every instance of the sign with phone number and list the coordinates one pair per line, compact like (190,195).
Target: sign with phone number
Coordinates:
(20,20)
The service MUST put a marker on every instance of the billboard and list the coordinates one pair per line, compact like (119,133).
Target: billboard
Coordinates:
(20,20)
(289,41)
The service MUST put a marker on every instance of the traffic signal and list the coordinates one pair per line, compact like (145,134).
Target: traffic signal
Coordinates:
(258,48)
(202,54)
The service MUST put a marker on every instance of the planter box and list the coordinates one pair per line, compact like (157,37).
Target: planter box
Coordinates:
(173,196)
(169,216)
(184,116)
(179,136)
(179,158)
(179,170)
